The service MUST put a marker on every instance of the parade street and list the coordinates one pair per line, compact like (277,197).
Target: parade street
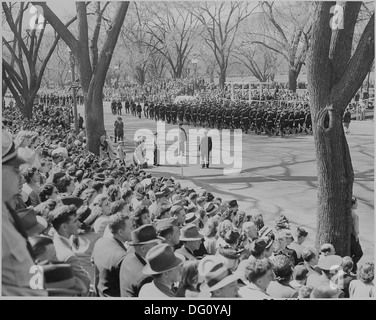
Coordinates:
(278,175)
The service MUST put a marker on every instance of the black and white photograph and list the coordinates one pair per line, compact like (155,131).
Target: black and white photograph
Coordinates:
(201,151)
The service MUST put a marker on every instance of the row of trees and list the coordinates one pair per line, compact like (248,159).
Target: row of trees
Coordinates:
(338,50)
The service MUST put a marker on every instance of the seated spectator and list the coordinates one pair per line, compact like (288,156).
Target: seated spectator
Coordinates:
(30,187)
(363,287)
(131,271)
(43,249)
(64,220)
(141,216)
(220,282)
(223,228)
(311,258)
(100,213)
(280,287)
(299,276)
(191,239)
(164,266)
(296,244)
(189,280)
(344,276)
(168,229)
(108,255)
(210,235)
(259,273)
(329,266)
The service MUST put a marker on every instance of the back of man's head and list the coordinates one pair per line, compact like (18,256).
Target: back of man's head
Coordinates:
(117,221)
(257,268)
(308,254)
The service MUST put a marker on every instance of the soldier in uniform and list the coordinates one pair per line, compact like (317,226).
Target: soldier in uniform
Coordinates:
(174,113)
(113,106)
(244,120)
(156,115)
(228,114)
(119,107)
(236,118)
(269,123)
(127,107)
(162,112)
(133,110)
(219,118)
(168,113)
(181,113)
(151,110)
(146,109)
(187,114)
(194,115)
(139,109)
(212,116)
(258,120)
(308,122)
(203,116)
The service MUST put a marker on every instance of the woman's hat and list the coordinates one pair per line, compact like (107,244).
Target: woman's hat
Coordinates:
(215,273)
(211,209)
(32,223)
(72,200)
(229,253)
(144,234)
(190,233)
(161,258)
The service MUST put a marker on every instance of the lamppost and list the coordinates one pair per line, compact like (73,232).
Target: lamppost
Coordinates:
(194,62)
(73,87)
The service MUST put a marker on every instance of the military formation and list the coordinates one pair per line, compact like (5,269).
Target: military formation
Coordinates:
(259,117)
(55,99)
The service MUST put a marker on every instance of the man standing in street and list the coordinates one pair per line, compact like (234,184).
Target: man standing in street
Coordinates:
(347,120)
(182,139)
(119,129)
(205,147)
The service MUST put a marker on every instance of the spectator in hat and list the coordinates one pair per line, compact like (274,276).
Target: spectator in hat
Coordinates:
(259,274)
(165,268)
(329,266)
(64,220)
(230,256)
(282,223)
(356,251)
(311,258)
(280,247)
(189,281)
(210,235)
(191,239)
(16,250)
(257,248)
(233,206)
(259,221)
(33,224)
(108,255)
(363,287)
(220,282)
(131,270)
(211,209)
(297,244)
(65,186)
(168,229)
(280,287)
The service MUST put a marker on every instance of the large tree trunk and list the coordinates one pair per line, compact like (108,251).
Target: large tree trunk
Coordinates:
(293,76)
(222,77)
(334,76)
(94,117)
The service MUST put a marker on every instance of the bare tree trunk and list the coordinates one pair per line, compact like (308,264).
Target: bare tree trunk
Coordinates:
(293,76)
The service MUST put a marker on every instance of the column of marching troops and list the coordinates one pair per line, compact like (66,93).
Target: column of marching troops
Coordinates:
(49,99)
(258,117)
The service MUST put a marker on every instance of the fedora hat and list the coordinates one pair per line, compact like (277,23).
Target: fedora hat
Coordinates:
(32,223)
(144,234)
(59,280)
(78,202)
(190,233)
(9,152)
(161,258)
(211,208)
(216,274)
(191,217)
(331,262)
(163,224)
(99,177)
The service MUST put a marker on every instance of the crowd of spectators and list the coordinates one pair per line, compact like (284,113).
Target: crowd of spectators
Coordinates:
(98,226)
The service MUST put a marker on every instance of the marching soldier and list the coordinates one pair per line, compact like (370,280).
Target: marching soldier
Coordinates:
(244,119)
(139,109)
